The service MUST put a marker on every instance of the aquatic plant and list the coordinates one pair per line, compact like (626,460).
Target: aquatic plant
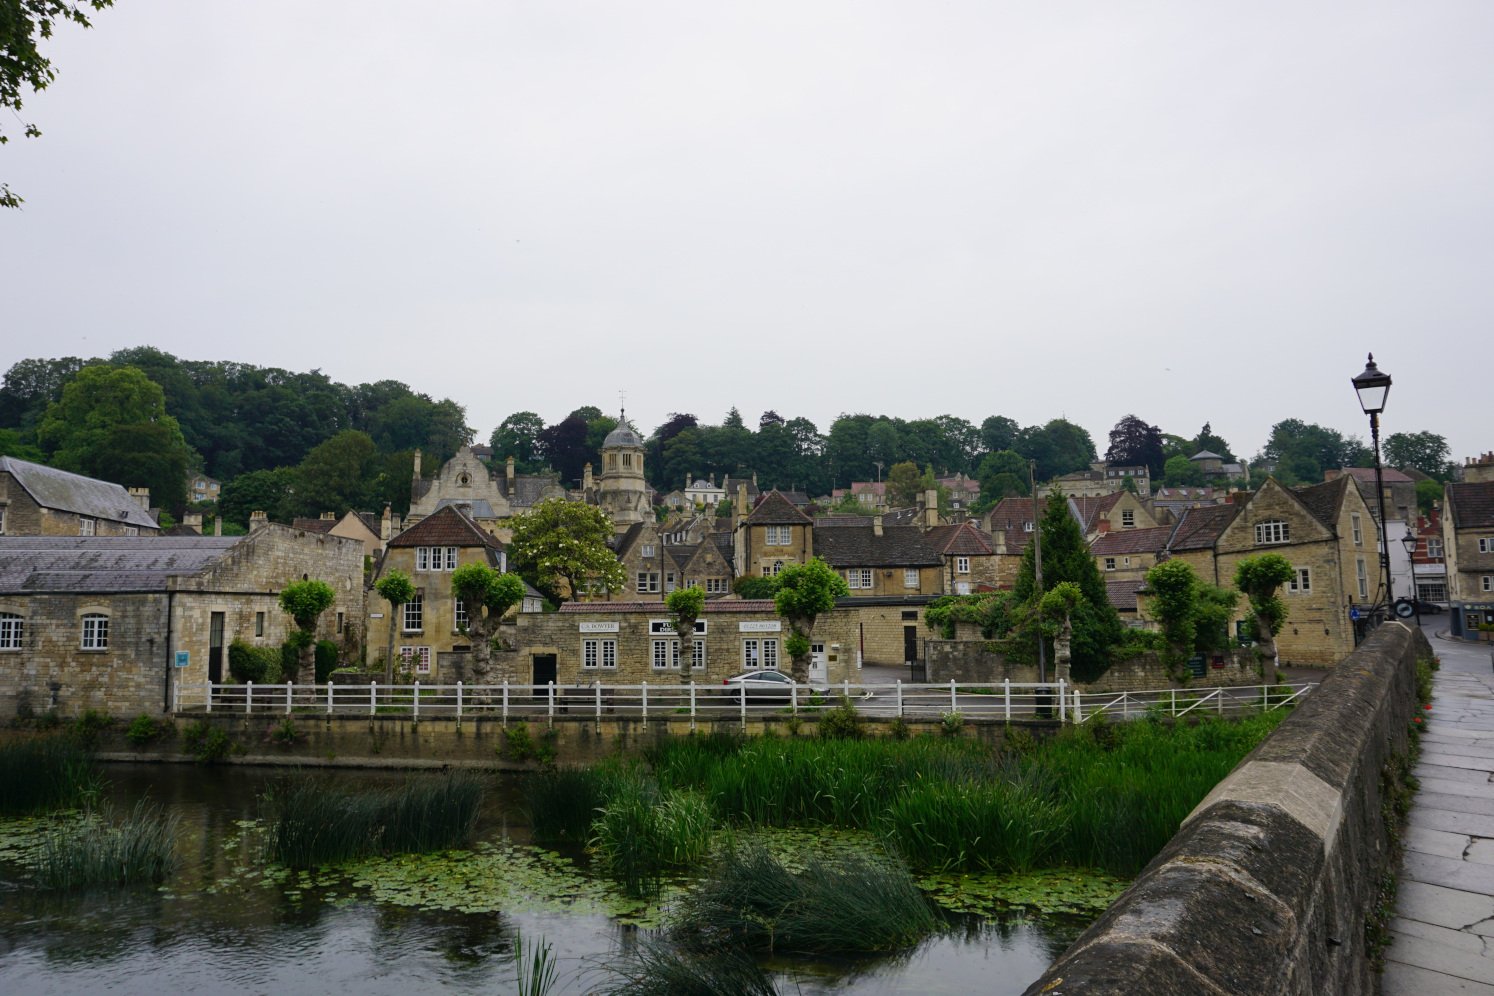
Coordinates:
(641,832)
(562,803)
(1006,825)
(99,850)
(40,773)
(659,970)
(843,903)
(534,966)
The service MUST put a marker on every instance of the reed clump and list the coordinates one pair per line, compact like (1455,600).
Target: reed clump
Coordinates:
(313,821)
(562,803)
(641,832)
(43,773)
(658,970)
(100,850)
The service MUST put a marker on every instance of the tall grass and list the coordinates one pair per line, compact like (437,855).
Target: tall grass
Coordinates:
(658,970)
(99,850)
(842,904)
(563,802)
(640,833)
(534,966)
(313,821)
(41,773)
(1008,825)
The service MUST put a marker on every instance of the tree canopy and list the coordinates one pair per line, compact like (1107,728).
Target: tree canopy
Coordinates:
(1423,451)
(561,547)
(1134,443)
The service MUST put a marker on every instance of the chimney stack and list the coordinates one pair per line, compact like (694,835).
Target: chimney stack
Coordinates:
(257,519)
(329,516)
(386,523)
(417,464)
(142,496)
(930,508)
(586,478)
(877,524)
(508,474)
(193,521)
(217,525)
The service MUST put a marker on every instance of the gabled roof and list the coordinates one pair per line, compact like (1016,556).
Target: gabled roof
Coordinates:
(1324,500)
(99,564)
(68,492)
(481,507)
(1206,455)
(446,527)
(1471,504)
(1366,475)
(1090,509)
(310,525)
(1150,540)
(1190,493)
(1200,528)
(776,510)
(1009,516)
(1122,594)
(963,540)
(898,546)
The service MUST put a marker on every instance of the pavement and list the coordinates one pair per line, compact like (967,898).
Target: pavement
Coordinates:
(1444,922)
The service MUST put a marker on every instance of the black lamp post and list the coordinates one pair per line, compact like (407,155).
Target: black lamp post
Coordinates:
(1409,541)
(1372,386)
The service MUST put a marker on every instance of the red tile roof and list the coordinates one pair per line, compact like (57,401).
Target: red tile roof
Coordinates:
(1131,541)
(446,527)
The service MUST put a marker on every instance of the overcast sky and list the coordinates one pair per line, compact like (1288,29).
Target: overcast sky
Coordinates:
(1188,211)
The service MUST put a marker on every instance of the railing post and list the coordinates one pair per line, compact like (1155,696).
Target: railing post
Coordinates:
(954,702)
(1006,696)
(248,698)
(1220,693)
(692,704)
(210,695)
(1173,706)
(288,686)
(1125,705)
(899,698)
(598,688)
(505,701)
(794,699)
(742,702)
(459,705)
(373,696)
(1265,698)
(416,701)
(1079,707)
(845,688)
(550,718)
(1062,690)
(645,703)
(176,693)
(330,686)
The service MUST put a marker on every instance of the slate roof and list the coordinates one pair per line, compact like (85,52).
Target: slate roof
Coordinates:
(530,488)
(104,563)
(1366,475)
(1180,494)
(481,507)
(1122,594)
(776,510)
(963,540)
(1324,500)
(898,546)
(1008,516)
(1199,528)
(446,527)
(1124,541)
(68,492)
(306,524)
(1471,504)
(1092,509)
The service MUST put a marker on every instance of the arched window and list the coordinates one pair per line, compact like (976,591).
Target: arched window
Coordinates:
(12,631)
(1272,531)
(95,631)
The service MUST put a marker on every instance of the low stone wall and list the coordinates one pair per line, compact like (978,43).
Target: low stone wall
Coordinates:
(970,662)
(1267,886)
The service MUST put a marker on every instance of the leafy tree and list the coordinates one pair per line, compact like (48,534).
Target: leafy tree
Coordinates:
(112,421)
(1056,609)
(752,587)
(1134,443)
(1423,451)
(518,436)
(304,601)
(805,591)
(564,447)
(999,433)
(1173,587)
(687,604)
(268,491)
(561,547)
(396,588)
(1428,494)
(733,419)
(21,446)
(904,484)
(1259,579)
(1206,440)
(769,417)
(31,385)
(1096,625)
(1303,450)
(487,595)
(335,474)
(1180,472)
(22,66)
(1002,474)
(1059,447)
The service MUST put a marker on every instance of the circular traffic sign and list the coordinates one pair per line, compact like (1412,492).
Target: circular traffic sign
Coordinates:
(1404,609)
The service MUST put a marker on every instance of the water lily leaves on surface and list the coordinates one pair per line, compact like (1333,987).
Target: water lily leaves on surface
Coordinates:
(1063,891)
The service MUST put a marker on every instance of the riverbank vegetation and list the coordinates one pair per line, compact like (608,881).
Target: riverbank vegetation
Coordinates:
(44,773)
(102,850)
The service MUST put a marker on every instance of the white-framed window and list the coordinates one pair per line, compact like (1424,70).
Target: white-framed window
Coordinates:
(435,558)
(666,655)
(1361,577)
(1128,518)
(95,631)
(599,653)
(910,577)
(716,586)
(779,536)
(1486,544)
(669,580)
(1027,526)
(760,655)
(1109,563)
(131,531)
(462,619)
(697,655)
(962,565)
(1357,528)
(1301,582)
(1272,531)
(417,659)
(1434,547)
(1488,582)
(648,550)
(648,581)
(86,526)
(12,631)
(414,620)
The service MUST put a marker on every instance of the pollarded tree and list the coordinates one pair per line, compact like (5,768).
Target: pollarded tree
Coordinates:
(1173,588)
(304,602)
(1260,578)
(487,595)
(805,591)
(561,547)
(686,604)
(397,589)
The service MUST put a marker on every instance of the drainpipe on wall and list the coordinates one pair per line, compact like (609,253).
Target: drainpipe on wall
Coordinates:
(170,656)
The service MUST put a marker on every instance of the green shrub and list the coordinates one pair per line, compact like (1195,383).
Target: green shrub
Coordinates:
(261,665)
(208,743)
(87,727)
(951,724)
(516,743)
(326,660)
(143,729)
(898,729)
(43,773)
(100,851)
(655,969)
(841,723)
(641,832)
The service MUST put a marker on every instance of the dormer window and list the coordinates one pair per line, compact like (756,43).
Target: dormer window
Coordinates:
(1272,531)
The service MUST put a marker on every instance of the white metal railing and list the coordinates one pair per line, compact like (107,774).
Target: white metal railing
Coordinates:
(1004,701)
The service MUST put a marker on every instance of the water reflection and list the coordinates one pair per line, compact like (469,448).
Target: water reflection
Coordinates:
(216,926)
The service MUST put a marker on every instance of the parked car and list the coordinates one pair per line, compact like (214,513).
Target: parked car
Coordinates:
(763,685)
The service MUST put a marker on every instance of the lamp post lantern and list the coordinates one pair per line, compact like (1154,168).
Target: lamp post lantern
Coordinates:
(1372,386)
(1409,541)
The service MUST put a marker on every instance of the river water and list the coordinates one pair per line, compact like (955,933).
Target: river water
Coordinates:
(221,924)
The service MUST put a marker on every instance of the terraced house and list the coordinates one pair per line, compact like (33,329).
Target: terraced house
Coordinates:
(42,501)
(1468,546)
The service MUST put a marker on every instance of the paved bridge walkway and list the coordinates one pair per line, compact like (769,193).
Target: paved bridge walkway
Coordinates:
(1444,925)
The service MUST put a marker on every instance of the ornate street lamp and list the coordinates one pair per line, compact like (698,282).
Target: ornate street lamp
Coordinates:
(1409,541)
(1372,386)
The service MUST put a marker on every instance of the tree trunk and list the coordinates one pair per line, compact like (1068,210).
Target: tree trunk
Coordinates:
(479,628)
(389,651)
(1063,656)
(306,656)
(799,663)
(1268,642)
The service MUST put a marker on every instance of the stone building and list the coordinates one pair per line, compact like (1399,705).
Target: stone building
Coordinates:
(1102,479)
(881,560)
(489,496)
(370,530)
(43,501)
(1128,554)
(1113,512)
(1468,546)
(115,623)
(771,536)
(969,557)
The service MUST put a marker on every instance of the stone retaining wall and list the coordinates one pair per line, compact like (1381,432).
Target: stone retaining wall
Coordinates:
(969,662)
(1267,886)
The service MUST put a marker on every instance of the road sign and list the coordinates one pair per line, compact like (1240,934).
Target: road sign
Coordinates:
(183,658)
(1353,613)
(1404,608)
